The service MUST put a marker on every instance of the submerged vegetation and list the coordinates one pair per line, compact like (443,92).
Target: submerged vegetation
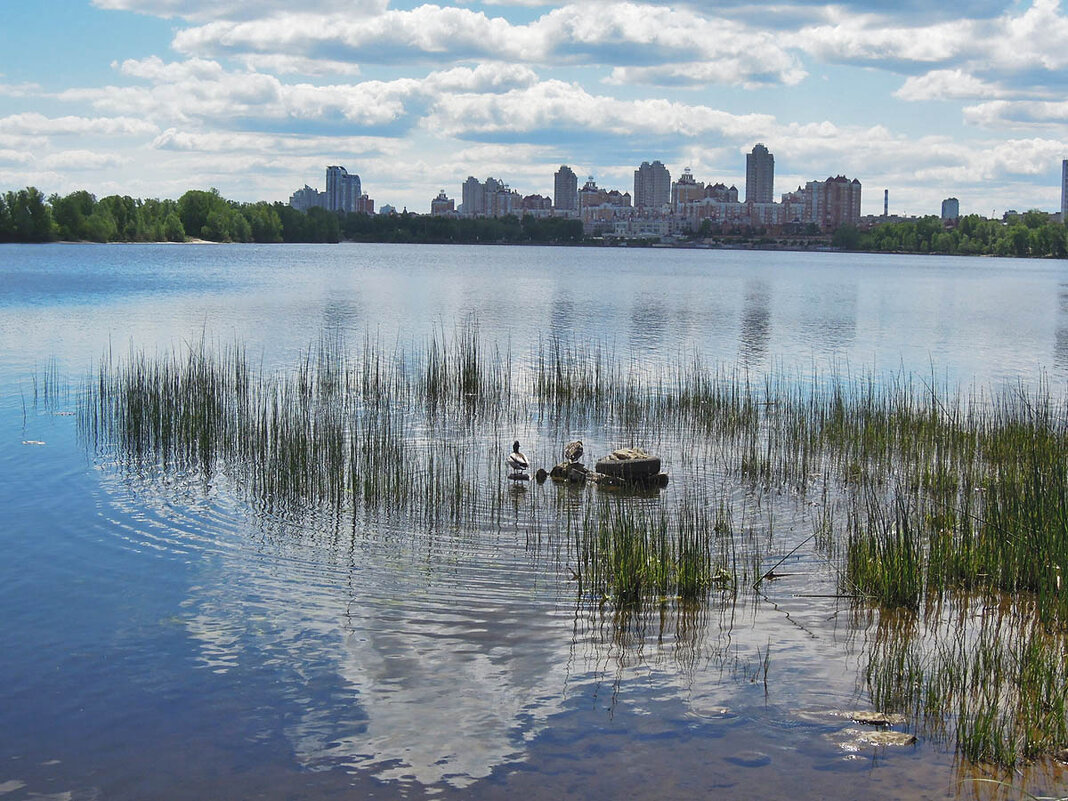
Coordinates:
(943,513)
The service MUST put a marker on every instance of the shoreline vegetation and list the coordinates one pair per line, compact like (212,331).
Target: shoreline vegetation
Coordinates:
(27,216)
(942,513)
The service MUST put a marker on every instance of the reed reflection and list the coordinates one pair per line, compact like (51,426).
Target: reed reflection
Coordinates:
(978,671)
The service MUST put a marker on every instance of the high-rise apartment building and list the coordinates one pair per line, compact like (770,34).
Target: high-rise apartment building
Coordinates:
(342,190)
(832,203)
(565,189)
(759,176)
(652,185)
(950,208)
(490,199)
(473,202)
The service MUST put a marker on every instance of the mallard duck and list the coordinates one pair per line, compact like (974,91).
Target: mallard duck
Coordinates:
(573,451)
(516,460)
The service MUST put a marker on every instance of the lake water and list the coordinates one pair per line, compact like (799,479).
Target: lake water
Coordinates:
(166,639)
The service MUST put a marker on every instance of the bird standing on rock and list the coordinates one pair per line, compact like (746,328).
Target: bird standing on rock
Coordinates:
(516,460)
(573,451)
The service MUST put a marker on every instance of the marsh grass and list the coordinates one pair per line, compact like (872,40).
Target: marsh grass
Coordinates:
(995,672)
(923,494)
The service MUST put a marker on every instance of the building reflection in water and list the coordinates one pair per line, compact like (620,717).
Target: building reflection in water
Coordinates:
(755,324)
(828,318)
(648,325)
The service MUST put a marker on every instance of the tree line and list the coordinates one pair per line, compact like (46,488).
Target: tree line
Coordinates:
(1034,233)
(27,215)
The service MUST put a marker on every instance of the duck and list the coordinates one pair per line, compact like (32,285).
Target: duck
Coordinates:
(516,460)
(573,451)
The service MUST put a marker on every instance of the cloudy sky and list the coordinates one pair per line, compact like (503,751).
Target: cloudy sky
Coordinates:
(153,97)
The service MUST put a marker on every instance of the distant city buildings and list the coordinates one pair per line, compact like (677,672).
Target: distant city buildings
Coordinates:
(442,205)
(491,198)
(832,203)
(342,189)
(307,198)
(652,186)
(759,176)
(565,189)
(537,205)
(658,208)
(343,194)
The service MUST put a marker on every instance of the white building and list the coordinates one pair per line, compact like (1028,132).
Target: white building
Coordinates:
(343,190)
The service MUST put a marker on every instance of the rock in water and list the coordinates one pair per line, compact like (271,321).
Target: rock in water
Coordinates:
(630,464)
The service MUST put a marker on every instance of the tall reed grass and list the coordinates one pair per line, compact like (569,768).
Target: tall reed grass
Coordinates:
(925,493)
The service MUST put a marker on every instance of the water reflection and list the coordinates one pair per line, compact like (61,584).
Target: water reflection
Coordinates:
(828,317)
(1060,334)
(755,324)
(562,323)
(648,325)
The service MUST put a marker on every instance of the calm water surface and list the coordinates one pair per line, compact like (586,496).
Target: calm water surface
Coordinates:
(163,639)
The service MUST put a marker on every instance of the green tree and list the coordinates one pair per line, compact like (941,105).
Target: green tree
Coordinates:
(30,217)
(194,208)
(846,237)
(70,214)
(172,229)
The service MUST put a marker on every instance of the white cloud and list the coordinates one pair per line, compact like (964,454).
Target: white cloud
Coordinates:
(761,72)
(241,142)
(618,33)
(34,124)
(1005,113)
(232,96)
(19,89)
(15,157)
(81,160)
(448,32)
(237,9)
(1034,39)
(201,90)
(278,64)
(868,38)
(952,84)
(486,77)
(1028,41)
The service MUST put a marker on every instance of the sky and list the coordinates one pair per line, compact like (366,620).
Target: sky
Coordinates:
(151,98)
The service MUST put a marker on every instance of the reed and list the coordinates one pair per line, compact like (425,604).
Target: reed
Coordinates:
(926,494)
(998,677)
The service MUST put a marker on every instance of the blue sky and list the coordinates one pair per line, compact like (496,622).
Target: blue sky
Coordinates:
(255,97)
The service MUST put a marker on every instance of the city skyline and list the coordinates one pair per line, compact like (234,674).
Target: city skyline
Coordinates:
(152,97)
